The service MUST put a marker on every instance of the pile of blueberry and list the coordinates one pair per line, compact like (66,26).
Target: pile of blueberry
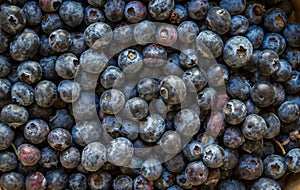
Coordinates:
(56,72)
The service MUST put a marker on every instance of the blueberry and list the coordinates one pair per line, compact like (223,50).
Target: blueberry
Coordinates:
(12,181)
(293,160)
(210,40)
(284,72)
(96,3)
(57,180)
(49,158)
(22,94)
(231,184)
(273,125)
(140,183)
(5,87)
(30,72)
(218,20)
(151,169)
(288,112)
(292,86)
(25,45)
(207,98)
(275,19)
(51,22)
(78,181)
(112,101)
(136,108)
(13,19)
(254,127)
(70,158)
(217,74)
(45,49)
(45,93)
(256,35)
(196,173)
(238,25)
(35,181)
(166,35)
(263,94)
(187,32)
(50,5)
(28,154)
(6,136)
(119,151)
(14,115)
(155,55)
(237,51)
(175,164)
(144,32)
(69,91)
(32,13)
(8,161)
(170,142)
(231,158)
(60,40)
(36,131)
(59,139)
(233,137)
(187,122)
(87,132)
(114,10)
(93,62)
(234,7)
(175,187)
(235,111)
(123,33)
(238,87)
(193,151)
(100,180)
(275,42)
(188,58)
(130,61)
(78,43)
(213,156)
(135,11)
(265,183)
(291,34)
(197,9)
(172,89)
(255,12)
(274,166)
(178,14)
(182,181)
(129,129)
(165,180)
(160,9)
(92,15)
(4,41)
(66,65)
(123,182)
(152,128)
(84,108)
(249,167)
(5,66)
(71,13)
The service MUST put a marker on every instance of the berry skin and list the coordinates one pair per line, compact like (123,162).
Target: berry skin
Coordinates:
(151,169)
(291,34)
(213,156)
(288,112)
(50,5)
(273,125)
(284,72)
(123,182)
(197,9)
(59,139)
(100,180)
(22,94)
(114,10)
(135,11)
(12,181)
(25,45)
(254,127)
(154,55)
(235,111)
(207,98)
(237,51)
(170,142)
(218,20)
(275,20)
(93,156)
(265,183)
(81,111)
(263,94)
(172,89)
(233,137)
(166,35)
(144,32)
(239,25)
(28,154)
(293,159)
(178,14)
(231,159)
(57,180)
(14,115)
(6,136)
(249,167)
(12,19)
(274,166)
(8,161)
(32,13)
(175,164)
(78,43)
(51,22)
(70,158)
(45,49)
(30,72)
(71,13)
(212,41)
(78,181)
(130,61)
(188,58)
(152,128)
(36,131)
(196,173)
(136,108)
(193,151)
(256,35)
(112,101)
(87,132)
(5,66)
(96,3)
(93,62)
(195,79)
(49,158)
(239,88)
(231,184)
(4,41)
(187,32)
(112,77)
(119,151)
(275,42)
(60,40)
(160,9)
(69,91)
(187,122)
(5,87)
(234,7)
(92,15)
(35,181)
(292,86)
(148,88)
(45,93)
